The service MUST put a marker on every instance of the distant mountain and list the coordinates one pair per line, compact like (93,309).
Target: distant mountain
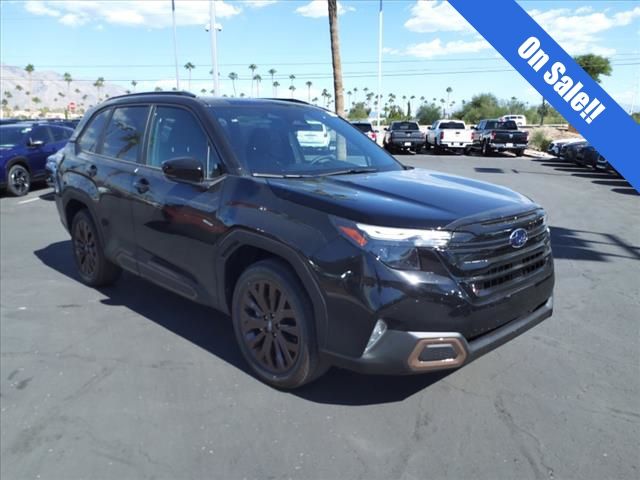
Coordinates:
(47,86)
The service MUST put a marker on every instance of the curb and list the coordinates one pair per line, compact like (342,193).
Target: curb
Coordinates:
(536,154)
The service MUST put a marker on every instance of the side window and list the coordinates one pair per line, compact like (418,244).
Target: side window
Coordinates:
(175,133)
(41,133)
(88,141)
(124,133)
(60,134)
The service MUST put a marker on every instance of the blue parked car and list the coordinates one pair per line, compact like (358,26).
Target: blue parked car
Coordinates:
(24,148)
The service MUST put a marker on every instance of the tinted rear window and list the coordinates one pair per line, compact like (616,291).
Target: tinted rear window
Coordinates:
(89,139)
(452,125)
(363,127)
(404,126)
(508,125)
(124,134)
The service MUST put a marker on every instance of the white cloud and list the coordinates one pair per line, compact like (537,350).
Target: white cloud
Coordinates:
(578,30)
(436,48)
(319,9)
(259,3)
(38,7)
(151,13)
(428,16)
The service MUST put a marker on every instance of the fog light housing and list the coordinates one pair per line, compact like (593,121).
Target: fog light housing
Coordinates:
(376,334)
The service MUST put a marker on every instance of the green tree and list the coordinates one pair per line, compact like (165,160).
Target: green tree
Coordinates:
(292,88)
(484,105)
(395,113)
(276,84)
(29,69)
(189,66)
(594,65)
(359,111)
(427,114)
(257,78)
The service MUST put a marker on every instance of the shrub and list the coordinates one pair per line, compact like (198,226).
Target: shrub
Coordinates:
(540,140)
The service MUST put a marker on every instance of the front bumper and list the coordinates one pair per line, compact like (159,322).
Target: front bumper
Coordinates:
(400,352)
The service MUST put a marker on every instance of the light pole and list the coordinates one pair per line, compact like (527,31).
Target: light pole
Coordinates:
(175,43)
(379,64)
(213,31)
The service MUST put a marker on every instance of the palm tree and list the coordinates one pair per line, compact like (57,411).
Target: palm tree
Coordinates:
(67,78)
(99,83)
(276,84)
(324,95)
(349,93)
(189,66)
(272,72)
(29,69)
(293,89)
(355,94)
(203,91)
(241,94)
(292,77)
(253,67)
(233,76)
(315,100)
(158,89)
(257,79)
(449,90)
(19,87)
(335,57)
(422,99)
(308,84)
(133,84)
(443,101)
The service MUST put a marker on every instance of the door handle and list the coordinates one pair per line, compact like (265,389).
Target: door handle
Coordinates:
(142,185)
(92,170)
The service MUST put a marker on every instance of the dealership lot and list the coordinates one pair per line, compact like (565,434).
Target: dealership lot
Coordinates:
(134,382)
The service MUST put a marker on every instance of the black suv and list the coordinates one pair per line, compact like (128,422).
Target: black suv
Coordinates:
(334,257)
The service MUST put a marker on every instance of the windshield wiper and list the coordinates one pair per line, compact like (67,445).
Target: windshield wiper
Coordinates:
(350,171)
(279,175)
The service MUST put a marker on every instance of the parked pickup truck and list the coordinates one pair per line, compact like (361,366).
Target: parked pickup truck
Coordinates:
(496,136)
(403,136)
(449,134)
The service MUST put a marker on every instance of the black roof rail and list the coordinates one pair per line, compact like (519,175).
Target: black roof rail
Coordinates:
(181,92)
(291,100)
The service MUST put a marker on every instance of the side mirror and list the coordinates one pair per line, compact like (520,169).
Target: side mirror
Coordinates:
(35,143)
(185,169)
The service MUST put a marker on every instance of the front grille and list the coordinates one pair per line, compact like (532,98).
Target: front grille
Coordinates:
(485,263)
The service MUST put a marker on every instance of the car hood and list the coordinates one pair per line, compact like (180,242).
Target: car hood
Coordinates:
(408,198)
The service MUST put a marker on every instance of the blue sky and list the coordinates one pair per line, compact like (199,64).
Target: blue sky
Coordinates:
(428,46)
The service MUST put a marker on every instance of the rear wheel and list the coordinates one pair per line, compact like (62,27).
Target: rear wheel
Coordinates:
(19,180)
(485,149)
(519,152)
(273,324)
(94,269)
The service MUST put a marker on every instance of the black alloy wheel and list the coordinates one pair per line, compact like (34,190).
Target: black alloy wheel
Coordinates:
(19,180)
(269,326)
(94,269)
(274,326)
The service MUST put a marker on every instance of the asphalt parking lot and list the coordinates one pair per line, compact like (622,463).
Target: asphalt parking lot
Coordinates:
(133,382)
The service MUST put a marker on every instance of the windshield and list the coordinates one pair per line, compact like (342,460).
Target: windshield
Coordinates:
(452,126)
(404,126)
(272,139)
(10,136)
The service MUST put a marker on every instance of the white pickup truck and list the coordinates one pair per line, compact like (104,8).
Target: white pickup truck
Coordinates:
(449,134)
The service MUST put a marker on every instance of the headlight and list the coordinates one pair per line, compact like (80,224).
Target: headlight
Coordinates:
(396,247)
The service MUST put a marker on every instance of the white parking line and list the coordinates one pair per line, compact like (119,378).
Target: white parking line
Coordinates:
(29,201)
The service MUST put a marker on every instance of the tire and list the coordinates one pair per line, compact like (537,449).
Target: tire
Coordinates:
(18,180)
(281,348)
(88,253)
(485,149)
(519,152)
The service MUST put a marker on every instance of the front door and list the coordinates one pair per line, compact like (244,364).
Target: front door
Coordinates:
(176,222)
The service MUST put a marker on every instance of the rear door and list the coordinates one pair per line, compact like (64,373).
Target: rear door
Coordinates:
(176,222)
(109,150)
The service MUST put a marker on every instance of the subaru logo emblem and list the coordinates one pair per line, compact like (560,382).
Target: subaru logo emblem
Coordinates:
(518,238)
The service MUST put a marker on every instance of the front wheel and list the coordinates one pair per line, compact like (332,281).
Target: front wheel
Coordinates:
(19,180)
(94,268)
(273,323)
